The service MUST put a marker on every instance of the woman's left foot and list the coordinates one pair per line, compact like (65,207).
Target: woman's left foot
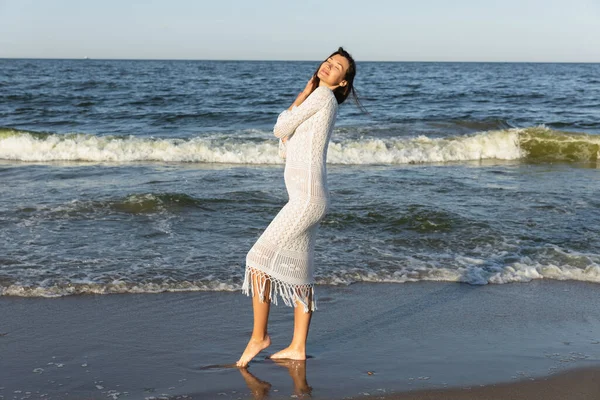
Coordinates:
(254,347)
(289,353)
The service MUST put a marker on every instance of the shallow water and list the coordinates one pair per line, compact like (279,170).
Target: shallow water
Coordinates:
(145,176)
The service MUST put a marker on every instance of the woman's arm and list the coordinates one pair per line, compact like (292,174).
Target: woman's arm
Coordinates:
(290,119)
(299,100)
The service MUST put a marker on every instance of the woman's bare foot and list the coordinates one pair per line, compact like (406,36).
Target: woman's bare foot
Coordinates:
(252,349)
(289,353)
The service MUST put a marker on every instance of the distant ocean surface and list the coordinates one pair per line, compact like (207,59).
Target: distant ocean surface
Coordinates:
(151,176)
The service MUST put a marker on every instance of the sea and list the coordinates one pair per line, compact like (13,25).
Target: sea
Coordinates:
(150,176)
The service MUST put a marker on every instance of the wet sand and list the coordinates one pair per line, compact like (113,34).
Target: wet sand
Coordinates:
(424,340)
(578,384)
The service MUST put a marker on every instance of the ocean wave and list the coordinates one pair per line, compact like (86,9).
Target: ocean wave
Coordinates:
(471,273)
(539,144)
(543,144)
(80,288)
(135,203)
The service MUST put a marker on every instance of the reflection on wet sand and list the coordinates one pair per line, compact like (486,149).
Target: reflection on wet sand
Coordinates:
(260,389)
(296,369)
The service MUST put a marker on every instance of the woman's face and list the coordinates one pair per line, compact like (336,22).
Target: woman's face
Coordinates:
(333,70)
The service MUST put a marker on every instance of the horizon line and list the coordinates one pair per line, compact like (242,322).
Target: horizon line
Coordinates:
(291,60)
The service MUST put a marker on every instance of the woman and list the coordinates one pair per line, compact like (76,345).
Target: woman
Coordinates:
(281,261)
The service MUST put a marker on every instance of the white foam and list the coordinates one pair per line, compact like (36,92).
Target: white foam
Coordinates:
(23,146)
(501,144)
(473,274)
(113,288)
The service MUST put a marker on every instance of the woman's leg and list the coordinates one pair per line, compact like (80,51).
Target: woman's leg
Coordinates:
(297,349)
(260,339)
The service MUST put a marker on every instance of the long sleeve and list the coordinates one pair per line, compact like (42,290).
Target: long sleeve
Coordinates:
(282,150)
(289,120)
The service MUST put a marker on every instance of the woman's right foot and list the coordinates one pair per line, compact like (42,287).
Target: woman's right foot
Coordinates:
(254,347)
(290,353)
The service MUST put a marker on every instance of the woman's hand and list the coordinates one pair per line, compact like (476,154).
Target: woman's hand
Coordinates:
(308,89)
(310,86)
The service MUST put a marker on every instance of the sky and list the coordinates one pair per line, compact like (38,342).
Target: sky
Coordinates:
(371,30)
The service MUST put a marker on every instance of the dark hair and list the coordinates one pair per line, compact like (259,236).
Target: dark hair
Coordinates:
(341,92)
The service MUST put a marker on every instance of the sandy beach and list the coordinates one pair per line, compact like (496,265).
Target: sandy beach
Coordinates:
(424,340)
(577,384)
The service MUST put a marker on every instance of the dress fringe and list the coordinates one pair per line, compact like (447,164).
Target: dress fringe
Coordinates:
(289,293)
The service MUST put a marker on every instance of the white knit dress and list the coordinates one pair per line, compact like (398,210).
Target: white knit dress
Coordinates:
(284,253)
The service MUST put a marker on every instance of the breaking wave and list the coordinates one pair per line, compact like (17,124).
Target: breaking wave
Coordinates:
(472,275)
(536,144)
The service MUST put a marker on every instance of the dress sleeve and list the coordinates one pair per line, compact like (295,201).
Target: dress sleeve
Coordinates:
(282,150)
(289,120)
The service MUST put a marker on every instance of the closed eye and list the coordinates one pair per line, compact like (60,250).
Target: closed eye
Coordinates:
(338,66)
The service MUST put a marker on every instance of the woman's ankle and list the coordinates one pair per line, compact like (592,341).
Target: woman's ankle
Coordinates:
(259,337)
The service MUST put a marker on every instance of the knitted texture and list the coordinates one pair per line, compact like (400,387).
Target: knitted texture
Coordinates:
(284,253)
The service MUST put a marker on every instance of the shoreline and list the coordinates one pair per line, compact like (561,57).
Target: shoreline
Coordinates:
(399,341)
